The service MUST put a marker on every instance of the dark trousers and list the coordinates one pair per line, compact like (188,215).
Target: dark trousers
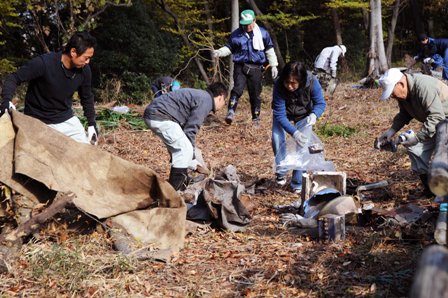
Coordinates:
(252,75)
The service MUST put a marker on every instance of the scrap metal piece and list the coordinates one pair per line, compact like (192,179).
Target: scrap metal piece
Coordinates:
(331,227)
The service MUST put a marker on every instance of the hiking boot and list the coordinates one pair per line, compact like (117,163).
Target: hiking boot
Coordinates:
(256,123)
(280,180)
(230,116)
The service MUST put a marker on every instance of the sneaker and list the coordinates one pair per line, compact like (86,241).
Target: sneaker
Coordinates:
(280,180)
(256,122)
(230,116)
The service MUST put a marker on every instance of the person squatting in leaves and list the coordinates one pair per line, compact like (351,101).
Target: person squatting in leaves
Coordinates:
(298,101)
(419,97)
(53,79)
(176,117)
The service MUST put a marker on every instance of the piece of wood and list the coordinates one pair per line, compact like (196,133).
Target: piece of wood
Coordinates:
(35,222)
(438,175)
(431,278)
(440,230)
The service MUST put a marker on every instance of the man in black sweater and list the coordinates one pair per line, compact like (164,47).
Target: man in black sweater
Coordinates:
(176,118)
(53,79)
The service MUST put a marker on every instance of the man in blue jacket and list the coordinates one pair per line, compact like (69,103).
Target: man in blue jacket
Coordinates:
(176,118)
(251,47)
(431,49)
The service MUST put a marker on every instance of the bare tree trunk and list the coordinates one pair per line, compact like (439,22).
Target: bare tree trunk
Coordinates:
(377,56)
(391,32)
(268,26)
(337,25)
(235,25)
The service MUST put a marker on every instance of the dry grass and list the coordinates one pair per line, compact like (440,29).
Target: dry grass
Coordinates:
(267,260)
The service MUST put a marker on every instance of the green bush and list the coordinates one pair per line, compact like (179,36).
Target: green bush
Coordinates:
(330,130)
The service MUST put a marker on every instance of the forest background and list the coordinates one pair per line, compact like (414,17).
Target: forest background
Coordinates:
(141,40)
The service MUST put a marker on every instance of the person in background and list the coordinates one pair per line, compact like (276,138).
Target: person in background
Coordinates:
(251,46)
(434,52)
(163,85)
(419,97)
(176,117)
(325,65)
(298,101)
(53,79)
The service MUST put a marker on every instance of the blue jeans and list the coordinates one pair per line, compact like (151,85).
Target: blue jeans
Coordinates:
(279,147)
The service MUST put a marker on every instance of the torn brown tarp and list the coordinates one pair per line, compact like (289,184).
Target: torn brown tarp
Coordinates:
(36,158)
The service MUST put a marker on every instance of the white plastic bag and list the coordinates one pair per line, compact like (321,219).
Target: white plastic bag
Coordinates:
(301,158)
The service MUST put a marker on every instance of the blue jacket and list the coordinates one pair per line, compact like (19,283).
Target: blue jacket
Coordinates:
(188,107)
(311,92)
(241,46)
(434,46)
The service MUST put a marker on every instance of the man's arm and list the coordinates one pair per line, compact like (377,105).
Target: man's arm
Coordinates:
(31,70)
(86,96)
(400,120)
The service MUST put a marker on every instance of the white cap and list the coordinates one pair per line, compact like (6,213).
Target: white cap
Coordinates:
(344,49)
(388,81)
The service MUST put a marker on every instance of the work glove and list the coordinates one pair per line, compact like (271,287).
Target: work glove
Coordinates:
(6,106)
(221,52)
(333,74)
(300,138)
(311,119)
(92,134)
(408,138)
(416,58)
(428,60)
(274,72)
(387,136)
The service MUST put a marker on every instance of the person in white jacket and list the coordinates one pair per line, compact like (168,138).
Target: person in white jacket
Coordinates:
(325,65)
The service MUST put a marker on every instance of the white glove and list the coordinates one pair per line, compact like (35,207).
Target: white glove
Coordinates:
(416,58)
(387,136)
(333,74)
(300,138)
(428,60)
(274,72)
(92,136)
(311,119)
(221,52)
(410,138)
(11,106)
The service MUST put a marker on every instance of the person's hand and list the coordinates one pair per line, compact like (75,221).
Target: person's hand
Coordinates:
(428,60)
(387,135)
(215,53)
(416,58)
(333,74)
(311,119)
(274,72)
(92,134)
(300,138)
(410,138)
(6,106)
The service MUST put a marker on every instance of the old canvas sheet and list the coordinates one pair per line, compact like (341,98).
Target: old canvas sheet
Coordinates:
(38,157)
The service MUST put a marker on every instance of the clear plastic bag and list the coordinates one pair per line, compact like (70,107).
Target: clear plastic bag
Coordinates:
(307,158)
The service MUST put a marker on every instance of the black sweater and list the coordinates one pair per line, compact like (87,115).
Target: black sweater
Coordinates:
(51,88)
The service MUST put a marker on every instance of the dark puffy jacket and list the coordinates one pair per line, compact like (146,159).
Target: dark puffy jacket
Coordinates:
(241,45)
(294,106)
(188,107)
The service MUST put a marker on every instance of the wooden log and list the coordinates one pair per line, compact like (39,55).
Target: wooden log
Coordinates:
(438,175)
(431,278)
(441,226)
(35,222)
